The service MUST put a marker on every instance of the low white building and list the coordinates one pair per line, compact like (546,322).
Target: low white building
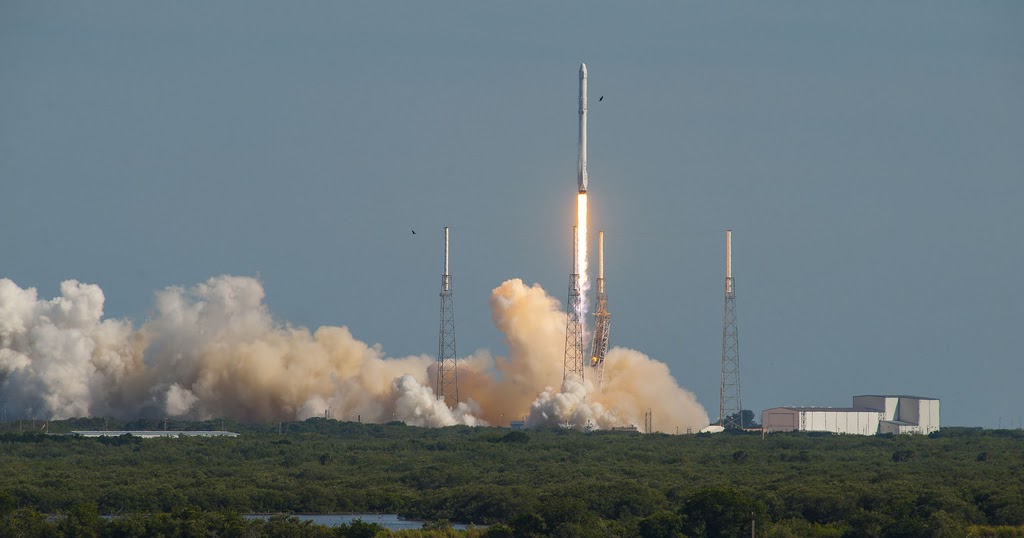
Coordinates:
(149,434)
(870,415)
(902,414)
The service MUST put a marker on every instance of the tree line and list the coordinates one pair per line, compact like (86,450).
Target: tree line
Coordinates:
(552,482)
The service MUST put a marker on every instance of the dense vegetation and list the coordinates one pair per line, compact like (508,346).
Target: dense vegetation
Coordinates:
(535,482)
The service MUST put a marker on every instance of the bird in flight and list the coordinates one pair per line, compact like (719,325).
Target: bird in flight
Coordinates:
(414,232)
(599,99)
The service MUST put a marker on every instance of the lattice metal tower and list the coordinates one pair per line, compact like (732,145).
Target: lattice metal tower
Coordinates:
(730,413)
(572,367)
(447,367)
(602,319)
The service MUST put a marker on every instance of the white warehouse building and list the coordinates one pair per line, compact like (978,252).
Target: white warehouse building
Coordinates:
(870,415)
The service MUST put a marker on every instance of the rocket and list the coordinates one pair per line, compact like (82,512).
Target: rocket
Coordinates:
(581,175)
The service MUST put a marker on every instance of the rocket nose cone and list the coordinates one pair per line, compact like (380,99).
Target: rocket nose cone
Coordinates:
(583,70)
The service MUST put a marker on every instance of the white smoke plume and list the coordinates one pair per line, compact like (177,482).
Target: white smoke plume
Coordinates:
(214,350)
(58,357)
(570,407)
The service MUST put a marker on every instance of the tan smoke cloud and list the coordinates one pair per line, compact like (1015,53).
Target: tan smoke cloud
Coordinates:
(214,350)
(534,329)
(237,362)
(634,382)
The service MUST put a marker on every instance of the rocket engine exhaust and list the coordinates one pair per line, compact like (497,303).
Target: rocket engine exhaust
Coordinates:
(581,251)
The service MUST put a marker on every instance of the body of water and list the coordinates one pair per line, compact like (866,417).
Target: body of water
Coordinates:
(388,521)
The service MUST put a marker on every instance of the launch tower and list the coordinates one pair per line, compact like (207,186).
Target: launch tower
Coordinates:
(602,319)
(730,413)
(447,368)
(573,364)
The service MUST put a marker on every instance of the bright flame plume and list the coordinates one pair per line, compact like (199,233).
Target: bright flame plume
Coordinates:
(581,254)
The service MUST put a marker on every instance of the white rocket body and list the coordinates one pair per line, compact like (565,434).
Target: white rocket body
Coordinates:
(581,175)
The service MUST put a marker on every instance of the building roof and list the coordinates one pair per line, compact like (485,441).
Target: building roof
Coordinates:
(895,396)
(823,409)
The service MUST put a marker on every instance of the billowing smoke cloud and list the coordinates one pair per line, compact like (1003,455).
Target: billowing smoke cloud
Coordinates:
(58,357)
(214,350)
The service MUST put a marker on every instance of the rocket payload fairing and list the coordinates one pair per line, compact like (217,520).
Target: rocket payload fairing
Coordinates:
(581,175)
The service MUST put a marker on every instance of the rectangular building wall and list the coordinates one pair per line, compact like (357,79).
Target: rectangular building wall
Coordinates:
(779,419)
(876,403)
(844,421)
(910,410)
(929,416)
(888,426)
(867,422)
(897,427)
(887,405)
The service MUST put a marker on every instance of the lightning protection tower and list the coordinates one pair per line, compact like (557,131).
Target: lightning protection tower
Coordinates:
(572,367)
(730,413)
(447,368)
(602,319)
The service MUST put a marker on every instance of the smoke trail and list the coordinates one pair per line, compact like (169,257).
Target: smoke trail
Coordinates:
(213,350)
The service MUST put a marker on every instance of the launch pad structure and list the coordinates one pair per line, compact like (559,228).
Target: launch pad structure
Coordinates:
(602,319)
(730,411)
(447,388)
(575,324)
(575,320)
(572,367)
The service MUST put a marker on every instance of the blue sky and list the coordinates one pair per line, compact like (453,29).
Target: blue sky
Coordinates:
(867,156)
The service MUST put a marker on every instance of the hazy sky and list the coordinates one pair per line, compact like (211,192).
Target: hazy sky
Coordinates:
(869,158)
